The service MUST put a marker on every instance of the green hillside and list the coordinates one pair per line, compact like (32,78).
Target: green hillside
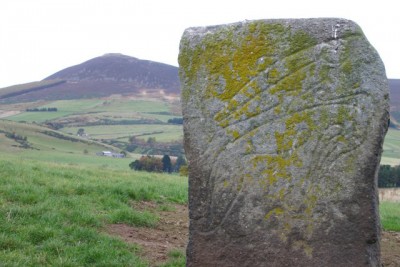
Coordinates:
(99,110)
(65,109)
(111,120)
(55,214)
(391,148)
(43,144)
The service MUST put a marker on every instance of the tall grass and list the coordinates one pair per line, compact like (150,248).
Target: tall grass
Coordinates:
(390,216)
(55,215)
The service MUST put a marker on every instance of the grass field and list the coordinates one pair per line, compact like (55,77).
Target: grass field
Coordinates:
(64,108)
(390,216)
(142,106)
(119,108)
(391,148)
(160,131)
(56,214)
(75,114)
(52,149)
(42,141)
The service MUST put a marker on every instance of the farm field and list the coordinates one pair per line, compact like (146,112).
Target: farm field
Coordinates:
(123,132)
(109,108)
(391,148)
(107,119)
(58,148)
(112,120)
(65,108)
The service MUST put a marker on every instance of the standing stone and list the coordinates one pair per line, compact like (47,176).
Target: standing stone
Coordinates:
(284,122)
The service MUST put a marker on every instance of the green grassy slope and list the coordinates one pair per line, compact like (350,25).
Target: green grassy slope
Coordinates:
(120,108)
(56,214)
(160,131)
(391,148)
(59,148)
(390,216)
(65,109)
(110,118)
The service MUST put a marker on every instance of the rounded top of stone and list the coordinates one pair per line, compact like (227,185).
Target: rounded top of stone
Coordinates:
(318,27)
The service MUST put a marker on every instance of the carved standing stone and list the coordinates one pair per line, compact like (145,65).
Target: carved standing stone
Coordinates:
(284,122)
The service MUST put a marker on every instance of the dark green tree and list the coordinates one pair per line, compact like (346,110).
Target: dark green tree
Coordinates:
(167,165)
(136,165)
(389,176)
(180,161)
(147,163)
(81,131)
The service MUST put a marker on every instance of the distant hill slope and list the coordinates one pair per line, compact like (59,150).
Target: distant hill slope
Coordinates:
(20,89)
(103,76)
(394,86)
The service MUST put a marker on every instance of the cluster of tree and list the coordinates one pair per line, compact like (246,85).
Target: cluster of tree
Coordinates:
(41,109)
(54,125)
(158,164)
(81,132)
(160,112)
(152,147)
(176,121)
(16,137)
(61,136)
(121,122)
(57,126)
(389,176)
(21,140)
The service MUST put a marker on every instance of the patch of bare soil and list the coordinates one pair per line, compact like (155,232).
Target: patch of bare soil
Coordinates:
(171,232)
(390,248)
(4,114)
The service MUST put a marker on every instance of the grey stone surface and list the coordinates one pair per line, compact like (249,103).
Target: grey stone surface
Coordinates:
(284,122)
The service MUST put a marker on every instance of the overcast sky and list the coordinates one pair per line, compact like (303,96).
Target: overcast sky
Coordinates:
(41,37)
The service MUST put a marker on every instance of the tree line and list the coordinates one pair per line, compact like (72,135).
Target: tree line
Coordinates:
(22,140)
(176,121)
(159,164)
(41,109)
(389,176)
(152,147)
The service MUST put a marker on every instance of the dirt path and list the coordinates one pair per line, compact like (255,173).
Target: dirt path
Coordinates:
(390,247)
(171,233)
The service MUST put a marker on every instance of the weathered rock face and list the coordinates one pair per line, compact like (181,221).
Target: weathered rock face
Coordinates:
(284,122)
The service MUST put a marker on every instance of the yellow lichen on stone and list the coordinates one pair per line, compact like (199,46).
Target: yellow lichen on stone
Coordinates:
(226,183)
(235,134)
(275,211)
